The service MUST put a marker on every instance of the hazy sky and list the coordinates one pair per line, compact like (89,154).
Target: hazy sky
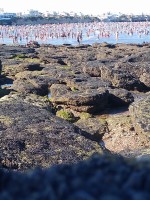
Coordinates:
(84,6)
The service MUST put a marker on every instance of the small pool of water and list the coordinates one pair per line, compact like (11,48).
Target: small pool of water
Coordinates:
(49,95)
(5,86)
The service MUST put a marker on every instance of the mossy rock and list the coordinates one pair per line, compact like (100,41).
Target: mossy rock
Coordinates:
(74,89)
(66,67)
(6,120)
(20,56)
(85,115)
(67,115)
(32,60)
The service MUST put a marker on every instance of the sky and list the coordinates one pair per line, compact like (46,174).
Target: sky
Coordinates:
(94,7)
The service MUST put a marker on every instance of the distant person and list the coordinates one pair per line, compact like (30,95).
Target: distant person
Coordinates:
(117,35)
(78,38)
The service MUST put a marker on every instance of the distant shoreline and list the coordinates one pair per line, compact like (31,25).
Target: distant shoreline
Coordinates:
(33,20)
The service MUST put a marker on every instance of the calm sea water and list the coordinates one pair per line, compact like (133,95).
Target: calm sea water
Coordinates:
(135,39)
(135,33)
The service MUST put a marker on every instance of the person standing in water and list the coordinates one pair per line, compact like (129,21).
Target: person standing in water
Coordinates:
(117,35)
(78,38)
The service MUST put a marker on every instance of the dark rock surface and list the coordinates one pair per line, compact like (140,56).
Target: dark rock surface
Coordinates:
(101,178)
(87,101)
(120,97)
(31,136)
(0,67)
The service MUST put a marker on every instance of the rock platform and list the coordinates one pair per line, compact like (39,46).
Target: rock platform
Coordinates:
(101,91)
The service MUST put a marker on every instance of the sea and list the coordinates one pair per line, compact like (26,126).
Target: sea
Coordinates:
(138,36)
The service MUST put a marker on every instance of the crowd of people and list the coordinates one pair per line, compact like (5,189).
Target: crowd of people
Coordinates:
(76,32)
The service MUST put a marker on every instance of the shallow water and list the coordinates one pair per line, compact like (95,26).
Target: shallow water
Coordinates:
(4,86)
(135,33)
(49,95)
(127,39)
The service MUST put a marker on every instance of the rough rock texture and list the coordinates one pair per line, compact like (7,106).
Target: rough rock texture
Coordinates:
(121,137)
(33,82)
(31,136)
(37,83)
(89,101)
(94,126)
(140,113)
(99,178)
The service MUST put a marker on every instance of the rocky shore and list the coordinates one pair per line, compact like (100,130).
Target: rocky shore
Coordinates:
(61,104)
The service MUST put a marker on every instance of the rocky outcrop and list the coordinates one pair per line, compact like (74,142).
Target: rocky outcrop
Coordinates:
(119,97)
(90,101)
(88,85)
(31,136)
(33,82)
(140,113)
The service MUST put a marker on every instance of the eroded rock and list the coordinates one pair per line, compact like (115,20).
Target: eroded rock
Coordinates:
(31,136)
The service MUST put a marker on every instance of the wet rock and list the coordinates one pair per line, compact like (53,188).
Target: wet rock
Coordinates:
(58,90)
(33,44)
(121,75)
(31,66)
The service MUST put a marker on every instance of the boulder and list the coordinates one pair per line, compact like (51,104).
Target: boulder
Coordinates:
(33,82)
(119,97)
(81,101)
(31,136)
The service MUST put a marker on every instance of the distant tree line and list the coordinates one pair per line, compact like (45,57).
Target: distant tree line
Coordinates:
(72,19)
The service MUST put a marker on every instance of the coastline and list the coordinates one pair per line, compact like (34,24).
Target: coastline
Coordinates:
(77,114)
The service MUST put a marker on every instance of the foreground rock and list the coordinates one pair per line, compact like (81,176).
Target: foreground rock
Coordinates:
(31,136)
(97,178)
